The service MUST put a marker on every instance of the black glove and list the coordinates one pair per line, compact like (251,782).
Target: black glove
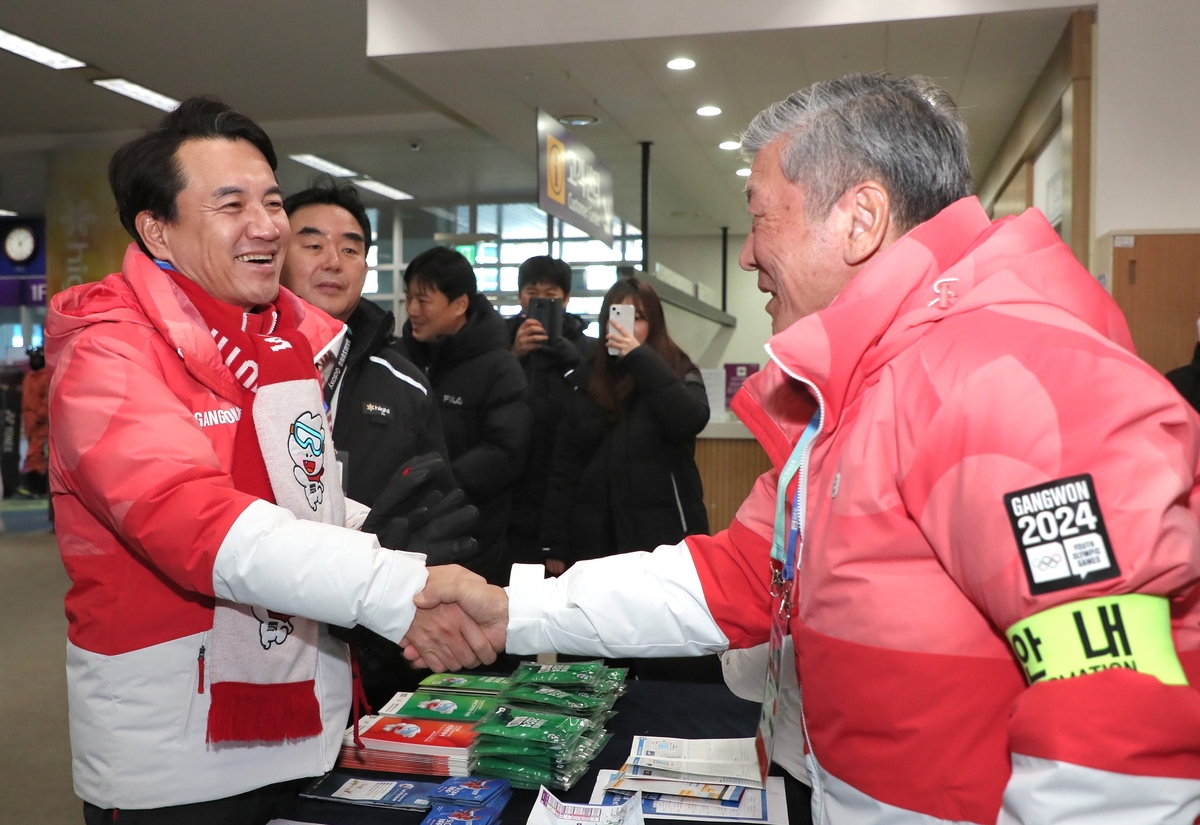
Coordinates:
(408,489)
(438,528)
(562,353)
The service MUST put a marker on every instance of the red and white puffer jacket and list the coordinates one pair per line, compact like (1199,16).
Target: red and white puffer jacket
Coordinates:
(970,361)
(143,413)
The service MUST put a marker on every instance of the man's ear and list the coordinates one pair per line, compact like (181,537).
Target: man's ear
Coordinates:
(459,305)
(867,220)
(153,232)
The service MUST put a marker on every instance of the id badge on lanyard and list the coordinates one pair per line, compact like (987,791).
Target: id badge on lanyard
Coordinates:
(786,543)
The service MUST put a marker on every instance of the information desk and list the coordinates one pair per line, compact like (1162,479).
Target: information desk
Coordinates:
(687,711)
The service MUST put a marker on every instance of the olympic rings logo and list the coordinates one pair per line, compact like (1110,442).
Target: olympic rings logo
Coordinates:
(1048,562)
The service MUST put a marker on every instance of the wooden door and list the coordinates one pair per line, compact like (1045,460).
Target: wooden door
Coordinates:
(728,469)
(1156,282)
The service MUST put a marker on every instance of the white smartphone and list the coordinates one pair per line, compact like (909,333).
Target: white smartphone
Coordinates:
(625,315)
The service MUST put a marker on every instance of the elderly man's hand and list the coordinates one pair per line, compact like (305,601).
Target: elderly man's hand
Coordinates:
(467,609)
(446,638)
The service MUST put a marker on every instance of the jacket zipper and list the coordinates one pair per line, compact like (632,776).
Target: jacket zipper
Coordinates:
(200,668)
(819,813)
(679,504)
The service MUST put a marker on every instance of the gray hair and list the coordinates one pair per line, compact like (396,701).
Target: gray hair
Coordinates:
(904,132)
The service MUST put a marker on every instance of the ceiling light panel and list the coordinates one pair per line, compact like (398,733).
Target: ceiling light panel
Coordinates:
(382,189)
(139,93)
(681,64)
(7,213)
(729,145)
(708,111)
(326,166)
(578,120)
(37,52)
(743,172)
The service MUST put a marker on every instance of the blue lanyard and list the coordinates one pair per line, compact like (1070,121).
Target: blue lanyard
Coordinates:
(783,550)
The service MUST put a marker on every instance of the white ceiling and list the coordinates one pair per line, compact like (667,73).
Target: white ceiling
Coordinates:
(300,67)
(987,62)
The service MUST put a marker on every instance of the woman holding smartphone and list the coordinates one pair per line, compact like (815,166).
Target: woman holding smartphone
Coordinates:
(624,475)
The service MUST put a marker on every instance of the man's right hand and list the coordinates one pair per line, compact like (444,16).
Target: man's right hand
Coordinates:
(449,590)
(530,336)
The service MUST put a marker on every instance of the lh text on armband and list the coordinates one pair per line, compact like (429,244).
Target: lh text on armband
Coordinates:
(1101,651)
(1060,534)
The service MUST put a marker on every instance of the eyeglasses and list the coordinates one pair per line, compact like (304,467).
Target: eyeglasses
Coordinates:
(308,437)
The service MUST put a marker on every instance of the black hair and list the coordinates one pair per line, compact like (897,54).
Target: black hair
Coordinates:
(325,190)
(443,269)
(542,269)
(145,175)
(611,384)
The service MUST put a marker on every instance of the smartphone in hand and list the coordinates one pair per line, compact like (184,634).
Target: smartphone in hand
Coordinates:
(549,313)
(625,315)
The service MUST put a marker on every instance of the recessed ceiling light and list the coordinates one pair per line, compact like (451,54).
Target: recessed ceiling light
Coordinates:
(729,145)
(7,213)
(708,111)
(578,120)
(326,166)
(681,64)
(139,93)
(37,52)
(382,189)
(744,172)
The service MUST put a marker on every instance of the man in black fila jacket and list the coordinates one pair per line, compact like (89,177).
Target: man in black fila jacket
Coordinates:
(383,412)
(461,343)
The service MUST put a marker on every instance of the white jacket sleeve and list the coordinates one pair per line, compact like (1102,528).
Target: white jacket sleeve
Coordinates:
(632,604)
(320,571)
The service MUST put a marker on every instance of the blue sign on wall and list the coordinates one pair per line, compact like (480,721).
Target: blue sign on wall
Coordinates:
(35,265)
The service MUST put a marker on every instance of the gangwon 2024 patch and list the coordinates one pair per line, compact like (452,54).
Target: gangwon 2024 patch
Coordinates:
(1060,534)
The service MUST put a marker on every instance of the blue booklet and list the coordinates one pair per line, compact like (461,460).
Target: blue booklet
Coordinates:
(398,794)
(470,792)
(458,815)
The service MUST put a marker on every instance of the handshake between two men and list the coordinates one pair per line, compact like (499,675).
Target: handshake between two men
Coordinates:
(461,620)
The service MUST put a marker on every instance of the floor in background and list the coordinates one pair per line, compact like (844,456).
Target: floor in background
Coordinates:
(35,752)
(25,516)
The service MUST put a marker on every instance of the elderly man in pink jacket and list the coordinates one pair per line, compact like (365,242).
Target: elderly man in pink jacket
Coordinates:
(981,528)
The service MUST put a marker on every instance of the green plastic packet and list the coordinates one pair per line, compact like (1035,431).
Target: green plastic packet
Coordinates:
(528,776)
(571,675)
(560,701)
(612,680)
(499,746)
(533,726)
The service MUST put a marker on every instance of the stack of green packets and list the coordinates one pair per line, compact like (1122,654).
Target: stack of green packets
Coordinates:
(549,724)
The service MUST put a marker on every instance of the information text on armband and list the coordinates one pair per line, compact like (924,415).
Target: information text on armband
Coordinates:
(1060,534)
(1131,631)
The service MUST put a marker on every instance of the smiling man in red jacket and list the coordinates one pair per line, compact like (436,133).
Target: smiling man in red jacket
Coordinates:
(985,503)
(198,504)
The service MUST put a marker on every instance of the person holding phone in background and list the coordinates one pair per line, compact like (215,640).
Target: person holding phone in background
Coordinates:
(624,471)
(550,345)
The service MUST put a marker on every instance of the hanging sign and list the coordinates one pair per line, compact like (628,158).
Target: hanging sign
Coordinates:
(573,184)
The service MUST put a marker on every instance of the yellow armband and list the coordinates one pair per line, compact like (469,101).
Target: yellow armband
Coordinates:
(1132,631)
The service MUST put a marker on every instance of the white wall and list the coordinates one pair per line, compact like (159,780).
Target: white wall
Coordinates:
(699,258)
(417,26)
(1147,116)
(1048,178)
